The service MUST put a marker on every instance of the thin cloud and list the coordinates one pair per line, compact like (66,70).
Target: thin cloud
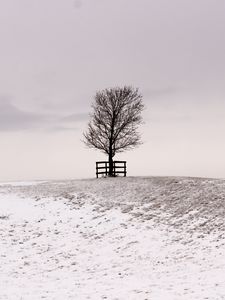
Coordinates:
(159,93)
(79,117)
(13,118)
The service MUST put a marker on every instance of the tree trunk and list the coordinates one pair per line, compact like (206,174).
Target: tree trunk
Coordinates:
(111,173)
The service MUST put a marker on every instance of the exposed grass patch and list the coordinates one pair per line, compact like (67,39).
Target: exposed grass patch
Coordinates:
(4,217)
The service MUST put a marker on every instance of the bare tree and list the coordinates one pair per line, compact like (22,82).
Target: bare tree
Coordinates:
(114,121)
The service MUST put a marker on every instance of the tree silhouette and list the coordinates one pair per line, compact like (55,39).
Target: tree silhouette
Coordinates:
(114,121)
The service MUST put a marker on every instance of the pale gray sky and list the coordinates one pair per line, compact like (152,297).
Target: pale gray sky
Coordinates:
(55,54)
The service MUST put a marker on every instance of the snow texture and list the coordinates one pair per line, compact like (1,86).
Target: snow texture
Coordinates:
(119,238)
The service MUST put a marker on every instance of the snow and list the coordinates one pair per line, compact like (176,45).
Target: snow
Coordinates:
(121,238)
(21,183)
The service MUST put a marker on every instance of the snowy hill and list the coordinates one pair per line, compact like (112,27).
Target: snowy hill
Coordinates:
(120,238)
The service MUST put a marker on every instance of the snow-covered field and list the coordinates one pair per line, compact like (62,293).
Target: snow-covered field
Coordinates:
(120,238)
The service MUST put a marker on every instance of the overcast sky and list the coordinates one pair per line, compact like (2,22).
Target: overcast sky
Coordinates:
(54,56)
